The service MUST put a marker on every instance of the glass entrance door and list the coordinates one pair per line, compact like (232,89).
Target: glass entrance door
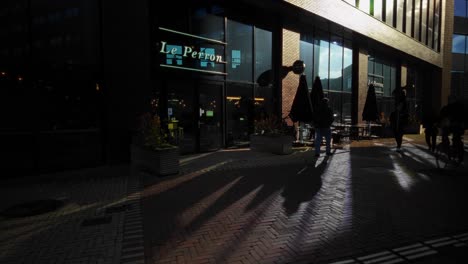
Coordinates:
(210,116)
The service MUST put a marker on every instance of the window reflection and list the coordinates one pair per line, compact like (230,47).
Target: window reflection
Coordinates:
(364,5)
(409,18)
(417,19)
(322,49)
(400,14)
(336,63)
(458,43)
(424,21)
(332,62)
(239,55)
(461,8)
(389,12)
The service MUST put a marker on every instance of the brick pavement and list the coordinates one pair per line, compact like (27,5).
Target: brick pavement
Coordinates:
(365,204)
(88,228)
(238,208)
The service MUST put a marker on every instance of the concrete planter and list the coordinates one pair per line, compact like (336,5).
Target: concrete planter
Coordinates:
(274,144)
(158,162)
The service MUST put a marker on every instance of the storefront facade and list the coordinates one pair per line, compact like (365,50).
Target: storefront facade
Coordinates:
(218,67)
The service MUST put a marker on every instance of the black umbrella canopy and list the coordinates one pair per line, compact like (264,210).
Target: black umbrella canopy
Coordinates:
(316,95)
(301,109)
(370,111)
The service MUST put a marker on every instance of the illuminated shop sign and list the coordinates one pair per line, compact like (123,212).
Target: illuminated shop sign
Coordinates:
(194,53)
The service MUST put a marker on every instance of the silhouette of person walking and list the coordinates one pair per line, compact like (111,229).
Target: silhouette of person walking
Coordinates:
(399,117)
(323,120)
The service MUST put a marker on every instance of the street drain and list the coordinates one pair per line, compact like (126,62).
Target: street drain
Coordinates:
(97,221)
(32,208)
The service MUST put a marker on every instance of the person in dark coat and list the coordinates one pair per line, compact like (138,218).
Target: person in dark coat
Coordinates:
(430,130)
(323,121)
(400,117)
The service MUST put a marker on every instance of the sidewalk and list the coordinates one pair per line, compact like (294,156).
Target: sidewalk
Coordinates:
(364,204)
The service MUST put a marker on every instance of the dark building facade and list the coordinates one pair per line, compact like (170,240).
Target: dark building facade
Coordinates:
(84,71)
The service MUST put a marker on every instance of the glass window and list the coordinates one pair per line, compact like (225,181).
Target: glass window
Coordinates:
(208,25)
(321,66)
(436,24)
(336,63)
(409,18)
(459,44)
(378,9)
(262,51)
(389,12)
(430,25)
(460,8)
(239,53)
(417,19)
(364,5)
(347,67)
(400,14)
(424,21)
(306,55)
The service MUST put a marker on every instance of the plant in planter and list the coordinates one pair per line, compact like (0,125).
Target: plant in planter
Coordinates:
(271,135)
(151,149)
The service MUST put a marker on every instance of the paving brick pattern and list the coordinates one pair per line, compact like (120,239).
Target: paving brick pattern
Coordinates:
(245,207)
(365,204)
(87,229)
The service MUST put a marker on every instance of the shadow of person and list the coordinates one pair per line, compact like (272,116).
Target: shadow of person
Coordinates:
(303,186)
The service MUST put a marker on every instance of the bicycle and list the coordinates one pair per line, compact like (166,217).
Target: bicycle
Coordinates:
(449,155)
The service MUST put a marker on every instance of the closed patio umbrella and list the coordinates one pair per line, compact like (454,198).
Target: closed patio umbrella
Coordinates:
(316,95)
(370,112)
(301,109)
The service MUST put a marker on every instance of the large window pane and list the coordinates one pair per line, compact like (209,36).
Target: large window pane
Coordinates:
(264,95)
(336,63)
(346,108)
(459,43)
(262,51)
(389,12)
(239,111)
(400,14)
(436,24)
(409,17)
(430,25)
(239,53)
(208,25)
(460,8)
(306,55)
(347,67)
(424,21)
(321,51)
(364,5)
(417,19)
(378,9)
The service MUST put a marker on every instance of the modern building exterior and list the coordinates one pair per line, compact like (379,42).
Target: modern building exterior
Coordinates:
(89,69)
(459,88)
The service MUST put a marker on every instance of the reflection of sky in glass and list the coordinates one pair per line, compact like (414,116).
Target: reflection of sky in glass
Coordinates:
(460,8)
(458,44)
(176,58)
(323,60)
(306,49)
(336,59)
